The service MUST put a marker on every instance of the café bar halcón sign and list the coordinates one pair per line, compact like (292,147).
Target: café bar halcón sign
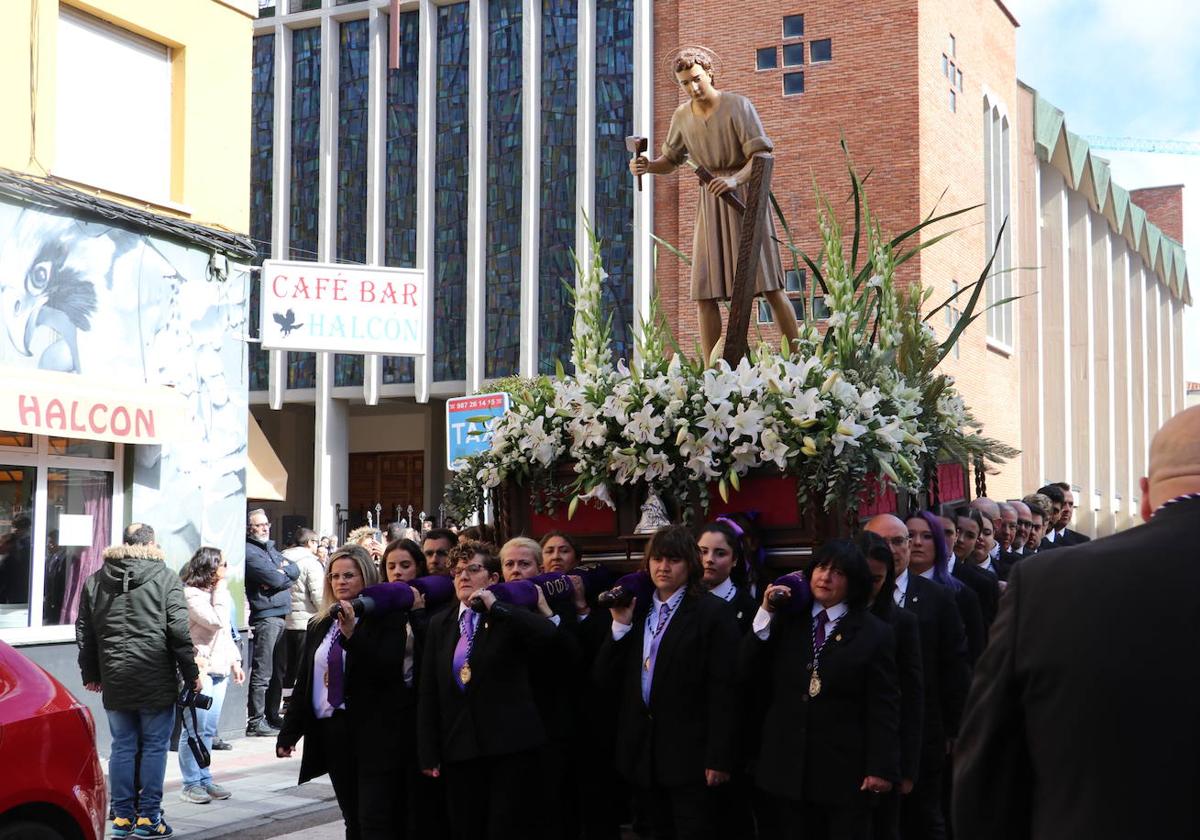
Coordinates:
(343,308)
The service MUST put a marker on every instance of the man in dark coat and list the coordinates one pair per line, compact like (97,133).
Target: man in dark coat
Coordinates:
(133,639)
(269,577)
(1081,721)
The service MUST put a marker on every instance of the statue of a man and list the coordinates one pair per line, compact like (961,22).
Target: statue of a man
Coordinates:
(722,132)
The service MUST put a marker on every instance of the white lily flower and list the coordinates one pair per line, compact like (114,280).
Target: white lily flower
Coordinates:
(847,432)
(747,423)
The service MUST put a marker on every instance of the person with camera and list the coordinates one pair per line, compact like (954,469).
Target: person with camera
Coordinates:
(352,683)
(218,657)
(133,639)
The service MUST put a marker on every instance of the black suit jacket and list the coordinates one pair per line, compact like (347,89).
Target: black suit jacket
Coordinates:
(743,607)
(986,587)
(943,661)
(911,677)
(375,694)
(496,714)
(1005,563)
(691,723)
(1082,716)
(820,749)
(967,603)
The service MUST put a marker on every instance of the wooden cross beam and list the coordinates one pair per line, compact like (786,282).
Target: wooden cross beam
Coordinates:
(754,232)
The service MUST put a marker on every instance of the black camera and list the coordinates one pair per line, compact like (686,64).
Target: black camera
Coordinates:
(191,697)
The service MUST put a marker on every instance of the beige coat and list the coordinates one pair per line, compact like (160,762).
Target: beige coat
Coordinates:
(307,590)
(208,623)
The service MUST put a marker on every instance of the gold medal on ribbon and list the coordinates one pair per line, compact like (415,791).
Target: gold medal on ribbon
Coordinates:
(464,673)
(327,679)
(646,664)
(814,685)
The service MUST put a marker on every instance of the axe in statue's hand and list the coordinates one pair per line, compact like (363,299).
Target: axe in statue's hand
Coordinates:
(636,147)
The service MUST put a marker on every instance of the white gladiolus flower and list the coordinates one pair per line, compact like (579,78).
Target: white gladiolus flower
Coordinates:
(836,319)
(875,282)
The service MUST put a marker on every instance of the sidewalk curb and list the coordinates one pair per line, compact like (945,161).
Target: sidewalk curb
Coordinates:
(262,820)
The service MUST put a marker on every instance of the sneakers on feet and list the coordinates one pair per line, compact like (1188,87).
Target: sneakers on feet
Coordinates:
(221,744)
(121,827)
(157,828)
(217,792)
(195,794)
(261,730)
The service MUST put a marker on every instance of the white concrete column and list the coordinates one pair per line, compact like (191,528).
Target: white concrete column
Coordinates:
(1101,393)
(426,151)
(376,175)
(1077,312)
(643,126)
(531,141)
(1138,372)
(281,182)
(477,75)
(1055,315)
(585,130)
(331,451)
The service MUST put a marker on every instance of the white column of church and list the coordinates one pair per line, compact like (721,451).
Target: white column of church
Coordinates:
(281,184)
(476,192)
(585,130)
(331,450)
(376,173)
(643,126)
(426,151)
(531,197)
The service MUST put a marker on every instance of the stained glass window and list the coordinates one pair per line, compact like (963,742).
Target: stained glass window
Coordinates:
(503,269)
(262,143)
(400,205)
(353,69)
(259,359)
(450,196)
(305,172)
(613,214)
(556,269)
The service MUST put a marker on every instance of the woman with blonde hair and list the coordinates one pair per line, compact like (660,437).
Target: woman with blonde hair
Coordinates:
(351,684)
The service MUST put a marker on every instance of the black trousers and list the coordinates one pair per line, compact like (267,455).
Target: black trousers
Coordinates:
(267,665)
(921,814)
(885,822)
(558,807)
(293,655)
(683,812)
(488,798)
(373,801)
(797,820)
(732,808)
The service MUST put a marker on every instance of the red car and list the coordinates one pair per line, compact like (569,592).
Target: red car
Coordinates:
(51,783)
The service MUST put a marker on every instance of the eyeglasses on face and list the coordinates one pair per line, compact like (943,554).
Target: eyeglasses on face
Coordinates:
(472,569)
(897,542)
(343,575)
(1024,523)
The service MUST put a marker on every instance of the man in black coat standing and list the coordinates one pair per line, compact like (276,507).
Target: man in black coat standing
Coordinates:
(269,577)
(1081,721)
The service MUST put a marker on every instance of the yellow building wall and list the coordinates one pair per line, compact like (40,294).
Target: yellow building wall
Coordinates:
(211,55)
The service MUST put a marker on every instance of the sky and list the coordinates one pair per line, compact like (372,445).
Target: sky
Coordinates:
(1126,68)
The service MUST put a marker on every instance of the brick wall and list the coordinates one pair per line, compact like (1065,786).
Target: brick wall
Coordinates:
(865,93)
(885,92)
(1164,207)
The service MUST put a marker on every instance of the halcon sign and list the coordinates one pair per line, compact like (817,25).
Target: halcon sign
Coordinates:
(344,308)
(49,403)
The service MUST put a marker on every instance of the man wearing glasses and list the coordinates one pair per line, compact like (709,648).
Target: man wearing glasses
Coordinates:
(269,577)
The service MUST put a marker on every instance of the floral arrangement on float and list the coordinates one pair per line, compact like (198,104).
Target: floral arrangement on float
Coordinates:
(845,412)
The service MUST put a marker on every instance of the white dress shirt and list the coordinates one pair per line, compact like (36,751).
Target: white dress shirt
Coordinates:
(900,593)
(320,691)
(725,590)
(762,619)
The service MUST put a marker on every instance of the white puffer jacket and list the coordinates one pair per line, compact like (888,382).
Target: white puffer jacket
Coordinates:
(307,590)
(208,623)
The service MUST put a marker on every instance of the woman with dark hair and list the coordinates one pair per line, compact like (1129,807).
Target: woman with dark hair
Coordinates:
(745,525)
(829,742)
(560,552)
(723,558)
(347,696)
(402,561)
(931,558)
(911,677)
(209,618)
(671,662)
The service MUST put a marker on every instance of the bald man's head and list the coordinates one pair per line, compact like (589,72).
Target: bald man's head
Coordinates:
(895,534)
(1174,461)
(987,507)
